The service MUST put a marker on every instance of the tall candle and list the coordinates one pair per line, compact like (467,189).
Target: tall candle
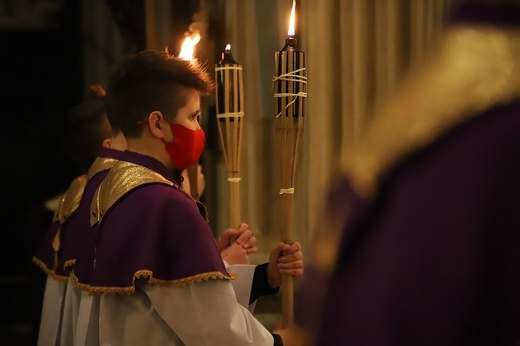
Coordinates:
(290,81)
(289,85)
(230,115)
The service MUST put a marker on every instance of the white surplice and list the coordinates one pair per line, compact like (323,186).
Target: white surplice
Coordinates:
(214,312)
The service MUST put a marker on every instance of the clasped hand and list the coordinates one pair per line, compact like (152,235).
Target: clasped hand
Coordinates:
(284,259)
(237,252)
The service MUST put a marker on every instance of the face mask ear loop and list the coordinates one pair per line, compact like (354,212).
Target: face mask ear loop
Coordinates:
(169,123)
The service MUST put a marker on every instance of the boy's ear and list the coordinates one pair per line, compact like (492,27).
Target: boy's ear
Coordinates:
(106,143)
(154,123)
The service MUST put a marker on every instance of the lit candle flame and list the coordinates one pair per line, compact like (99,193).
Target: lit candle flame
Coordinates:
(188,47)
(291,21)
(228,48)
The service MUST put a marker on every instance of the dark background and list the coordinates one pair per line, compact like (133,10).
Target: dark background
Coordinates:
(41,76)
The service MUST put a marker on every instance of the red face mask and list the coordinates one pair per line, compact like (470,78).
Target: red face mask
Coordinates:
(187,145)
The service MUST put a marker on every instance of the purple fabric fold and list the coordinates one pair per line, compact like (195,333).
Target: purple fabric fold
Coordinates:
(74,232)
(154,231)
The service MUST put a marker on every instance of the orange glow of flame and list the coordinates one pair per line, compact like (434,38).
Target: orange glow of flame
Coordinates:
(292,19)
(188,46)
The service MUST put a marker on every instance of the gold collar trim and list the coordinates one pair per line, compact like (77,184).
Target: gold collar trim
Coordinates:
(473,69)
(70,200)
(123,177)
(100,164)
(69,203)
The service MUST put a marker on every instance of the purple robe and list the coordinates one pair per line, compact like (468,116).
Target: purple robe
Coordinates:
(152,230)
(67,233)
(428,252)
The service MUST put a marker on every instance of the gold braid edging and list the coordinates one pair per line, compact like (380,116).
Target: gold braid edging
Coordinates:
(49,271)
(147,274)
(68,265)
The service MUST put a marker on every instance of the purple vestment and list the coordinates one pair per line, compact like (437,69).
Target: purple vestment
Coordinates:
(431,255)
(73,228)
(152,230)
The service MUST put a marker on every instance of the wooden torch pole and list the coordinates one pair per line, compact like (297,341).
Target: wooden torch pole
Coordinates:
(230,115)
(290,94)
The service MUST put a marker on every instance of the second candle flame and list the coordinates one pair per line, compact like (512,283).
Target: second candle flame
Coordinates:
(292,20)
(188,46)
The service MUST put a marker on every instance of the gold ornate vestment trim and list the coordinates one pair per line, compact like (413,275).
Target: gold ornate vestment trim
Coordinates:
(100,164)
(473,69)
(122,178)
(69,203)
(148,274)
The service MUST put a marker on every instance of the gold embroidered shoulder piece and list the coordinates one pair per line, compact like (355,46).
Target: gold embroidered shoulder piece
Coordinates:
(123,177)
(473,69)
(69,203)
(100,164)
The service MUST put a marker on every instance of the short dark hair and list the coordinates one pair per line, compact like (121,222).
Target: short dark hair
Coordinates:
(151,81)
(84,127)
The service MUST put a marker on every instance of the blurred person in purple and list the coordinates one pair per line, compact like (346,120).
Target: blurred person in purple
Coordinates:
(425,219)
(95,146)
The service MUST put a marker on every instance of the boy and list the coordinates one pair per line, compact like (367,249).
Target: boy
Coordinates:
(157,267)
